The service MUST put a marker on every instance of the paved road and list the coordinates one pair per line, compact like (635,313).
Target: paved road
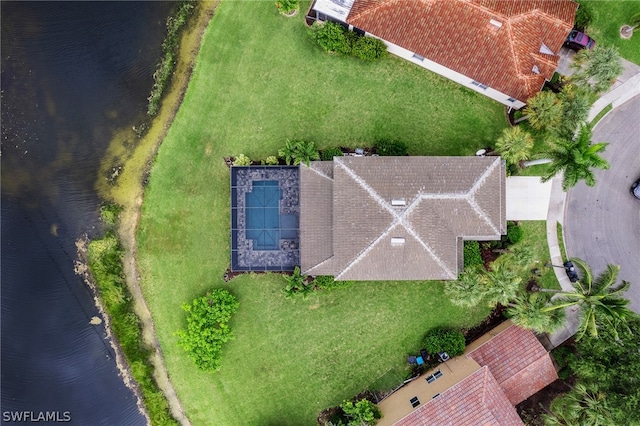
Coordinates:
(602,224)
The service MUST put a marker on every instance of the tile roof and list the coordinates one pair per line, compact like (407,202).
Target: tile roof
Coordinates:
(476,400)
(446,199)
(518,361)
(458,35)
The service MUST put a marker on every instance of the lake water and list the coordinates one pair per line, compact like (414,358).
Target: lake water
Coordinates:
(73,74)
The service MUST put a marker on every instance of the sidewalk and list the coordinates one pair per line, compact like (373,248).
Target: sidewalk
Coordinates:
(626,87)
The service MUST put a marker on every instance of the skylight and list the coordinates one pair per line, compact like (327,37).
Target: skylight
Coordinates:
(398,202)
(495,23)
(396,241)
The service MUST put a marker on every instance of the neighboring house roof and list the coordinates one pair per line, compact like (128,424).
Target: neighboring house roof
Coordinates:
(510,46)
(476,400)
(518,361)
(397,218)
(500,369)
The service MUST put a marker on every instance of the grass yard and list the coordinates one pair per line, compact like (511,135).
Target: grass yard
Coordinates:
(535,234)
(608,17)
(259,80)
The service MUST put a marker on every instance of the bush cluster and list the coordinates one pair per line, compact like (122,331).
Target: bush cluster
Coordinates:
(583,17)
(472,255)
(388,147)
(443,340)
(271,160)
(515,234)
(105,264)
(208,328)
(329,153)
(334,37)
(327,282)
(242,160)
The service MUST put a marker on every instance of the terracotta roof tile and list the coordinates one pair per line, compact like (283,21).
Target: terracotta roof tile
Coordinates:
(458,35)
(518,361)
(475,400)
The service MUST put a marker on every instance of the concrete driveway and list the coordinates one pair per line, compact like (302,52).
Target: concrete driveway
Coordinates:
(527,198)
(602,224)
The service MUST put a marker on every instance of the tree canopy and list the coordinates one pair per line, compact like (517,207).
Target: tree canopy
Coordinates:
(208,328)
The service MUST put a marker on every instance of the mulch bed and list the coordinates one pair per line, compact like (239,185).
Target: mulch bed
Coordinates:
(495,318)
(530,410)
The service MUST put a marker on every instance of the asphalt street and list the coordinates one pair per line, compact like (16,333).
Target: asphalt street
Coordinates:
(602,223)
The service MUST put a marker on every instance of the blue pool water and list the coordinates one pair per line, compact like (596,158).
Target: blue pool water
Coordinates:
(262,215)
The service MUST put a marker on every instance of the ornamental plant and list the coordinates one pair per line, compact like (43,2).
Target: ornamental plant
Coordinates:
(443,340)
(208,328)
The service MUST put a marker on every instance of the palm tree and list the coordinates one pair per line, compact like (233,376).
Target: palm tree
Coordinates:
(544,111)
(600,300)
(514,145)
(501,284)
(468,290)
(576,103)
(526,311)
(597,68)
(584,405)
(576,159)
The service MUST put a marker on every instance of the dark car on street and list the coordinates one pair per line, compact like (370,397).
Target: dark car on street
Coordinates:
(635,189)
(571,271)
(578,41)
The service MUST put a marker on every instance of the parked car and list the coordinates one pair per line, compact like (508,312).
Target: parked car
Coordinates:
(571,271)
(578,41)
(635,189)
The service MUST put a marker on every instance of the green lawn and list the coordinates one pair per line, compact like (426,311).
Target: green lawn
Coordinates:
(258,81)
(608,17)
(535,234)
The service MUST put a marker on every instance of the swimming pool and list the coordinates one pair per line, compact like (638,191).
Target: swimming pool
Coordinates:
(264,218)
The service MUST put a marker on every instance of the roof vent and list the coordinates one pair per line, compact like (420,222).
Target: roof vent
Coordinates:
(399,202)
(495,23)
(397,241)
(544,49)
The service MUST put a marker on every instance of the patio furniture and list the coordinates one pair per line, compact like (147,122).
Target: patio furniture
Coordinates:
(412,360)
(419,360)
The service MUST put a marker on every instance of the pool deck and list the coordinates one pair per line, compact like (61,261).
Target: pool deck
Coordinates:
(246,257)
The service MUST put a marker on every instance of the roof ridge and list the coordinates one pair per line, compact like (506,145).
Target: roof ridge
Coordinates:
(492,337)
(321,173)
(398,219)
(471,199)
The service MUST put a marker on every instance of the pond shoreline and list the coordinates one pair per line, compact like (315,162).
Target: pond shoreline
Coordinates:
(129,190)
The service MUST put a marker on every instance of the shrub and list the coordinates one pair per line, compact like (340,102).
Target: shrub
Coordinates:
(110,213)
(329,153)
(472,256)
(443,340)
(583,17)
(514,233)
(271,160)
(331,37)
(369,48)
(242,160)
(287,6)
(207,328)
(387,147)
(327,282)
(363,412)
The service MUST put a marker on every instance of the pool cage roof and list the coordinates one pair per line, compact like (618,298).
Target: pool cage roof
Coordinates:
(265,218)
